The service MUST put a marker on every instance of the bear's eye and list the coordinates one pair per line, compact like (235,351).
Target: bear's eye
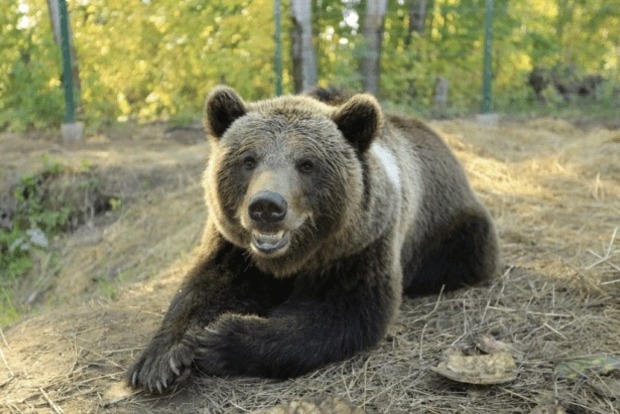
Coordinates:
(249,162)
(305,166)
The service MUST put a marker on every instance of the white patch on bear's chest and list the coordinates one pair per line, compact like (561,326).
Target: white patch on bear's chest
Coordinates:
(388,161)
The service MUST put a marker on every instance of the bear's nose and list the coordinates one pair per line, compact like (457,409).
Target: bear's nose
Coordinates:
(267,207)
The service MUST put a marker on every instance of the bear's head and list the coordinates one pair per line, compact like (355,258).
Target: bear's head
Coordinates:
(286,175)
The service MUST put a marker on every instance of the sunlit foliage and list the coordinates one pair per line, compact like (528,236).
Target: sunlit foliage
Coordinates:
(153,59)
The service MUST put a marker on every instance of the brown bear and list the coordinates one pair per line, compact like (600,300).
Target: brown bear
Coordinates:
(322,211)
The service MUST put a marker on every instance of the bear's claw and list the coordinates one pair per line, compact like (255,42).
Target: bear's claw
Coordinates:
(160,366)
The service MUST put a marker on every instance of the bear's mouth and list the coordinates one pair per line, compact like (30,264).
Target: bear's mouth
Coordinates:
(270,243)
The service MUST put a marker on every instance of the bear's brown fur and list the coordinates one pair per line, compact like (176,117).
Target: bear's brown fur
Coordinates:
(321,211)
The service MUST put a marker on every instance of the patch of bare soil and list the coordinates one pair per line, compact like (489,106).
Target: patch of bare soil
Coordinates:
(553,189)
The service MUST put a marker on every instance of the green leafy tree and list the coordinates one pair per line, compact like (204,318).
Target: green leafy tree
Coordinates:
(153,59)
(29,68)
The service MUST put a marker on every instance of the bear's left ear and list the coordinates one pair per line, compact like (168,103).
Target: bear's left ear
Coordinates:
(222,108)
(359,120)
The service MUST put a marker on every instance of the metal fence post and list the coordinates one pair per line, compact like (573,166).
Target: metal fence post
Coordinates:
(487,70)
(66,61)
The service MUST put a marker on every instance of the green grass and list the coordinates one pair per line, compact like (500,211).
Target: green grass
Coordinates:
(34,223)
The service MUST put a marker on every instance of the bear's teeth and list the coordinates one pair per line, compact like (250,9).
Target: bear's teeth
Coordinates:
(269,243)
(270,236)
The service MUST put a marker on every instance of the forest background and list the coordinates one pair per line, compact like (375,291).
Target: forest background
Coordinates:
(156,59)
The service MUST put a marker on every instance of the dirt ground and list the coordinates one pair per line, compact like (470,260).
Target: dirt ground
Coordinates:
(553,189)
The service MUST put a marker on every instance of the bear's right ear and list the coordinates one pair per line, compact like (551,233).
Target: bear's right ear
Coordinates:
(222,108)
(359,119)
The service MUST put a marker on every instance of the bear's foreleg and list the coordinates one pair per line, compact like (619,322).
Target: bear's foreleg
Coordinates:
(220,281)
(320,323)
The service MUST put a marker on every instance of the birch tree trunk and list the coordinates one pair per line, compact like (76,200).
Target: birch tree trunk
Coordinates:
(373,37)
(304,62)
(417,17)
(75,72)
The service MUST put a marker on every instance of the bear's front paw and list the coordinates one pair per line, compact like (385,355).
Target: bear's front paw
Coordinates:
(162,365)
(229,345)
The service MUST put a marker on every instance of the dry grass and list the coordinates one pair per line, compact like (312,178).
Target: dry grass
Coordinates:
(555,193)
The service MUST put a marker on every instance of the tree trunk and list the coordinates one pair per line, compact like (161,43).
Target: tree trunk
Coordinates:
(52,5)
(75,72)
(304,63)
(373,37)
(417,17)
(440,100)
